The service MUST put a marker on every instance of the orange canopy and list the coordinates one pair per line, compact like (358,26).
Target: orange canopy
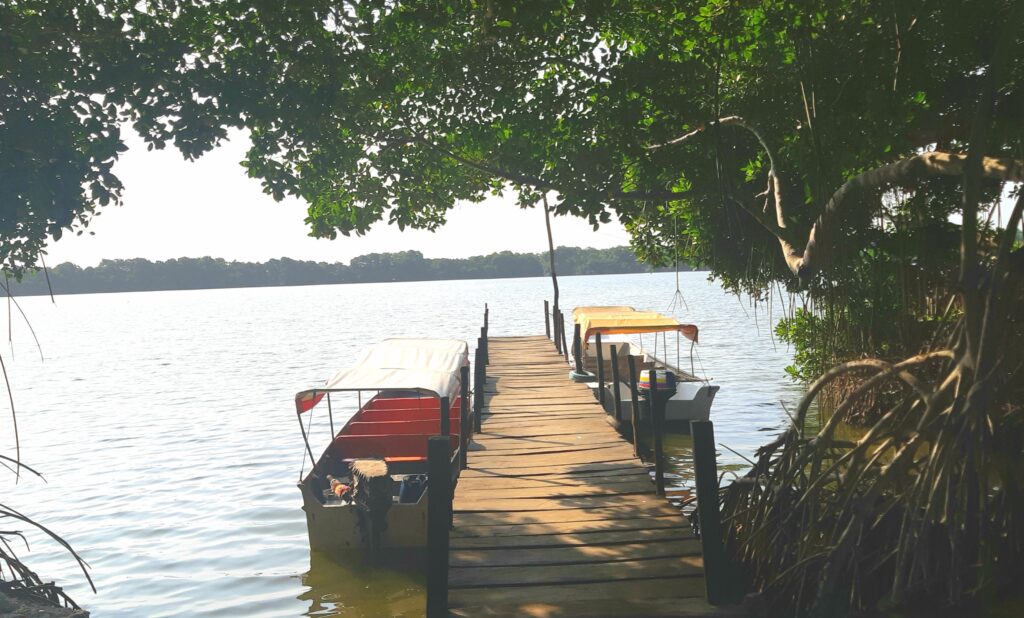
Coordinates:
(626,321)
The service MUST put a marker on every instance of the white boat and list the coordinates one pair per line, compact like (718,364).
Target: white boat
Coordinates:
(617,325)
(368,489)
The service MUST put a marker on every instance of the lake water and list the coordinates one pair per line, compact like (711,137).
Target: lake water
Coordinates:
(165,427)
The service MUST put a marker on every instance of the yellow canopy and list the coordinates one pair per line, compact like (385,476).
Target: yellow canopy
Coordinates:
(626,321)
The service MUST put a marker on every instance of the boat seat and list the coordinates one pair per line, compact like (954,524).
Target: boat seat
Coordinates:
(384,446)
(400,427)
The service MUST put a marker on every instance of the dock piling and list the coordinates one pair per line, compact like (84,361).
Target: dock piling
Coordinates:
(439,517)
(547,321)
(558,329)
(716,567)
(483,345)
(616,392)
(479,383)
(635,403)
(465,431)
(446,418)
(565,346)
(577,348)
(600,370)
(658,401)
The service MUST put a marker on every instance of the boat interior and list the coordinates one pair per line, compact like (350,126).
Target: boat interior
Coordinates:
(394,429)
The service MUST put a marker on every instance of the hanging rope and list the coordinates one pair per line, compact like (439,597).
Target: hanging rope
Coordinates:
(677,298)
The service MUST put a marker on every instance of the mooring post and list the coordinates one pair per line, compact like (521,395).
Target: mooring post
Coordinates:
(634,400)
(577,348)
(446,419)
(565,346)
(479,383)
(465,431)
(439,517)
(547,321)
(600,369)
(716,575)
(658,401)
(558,329)
(483,345)
(487,315)
(616,393)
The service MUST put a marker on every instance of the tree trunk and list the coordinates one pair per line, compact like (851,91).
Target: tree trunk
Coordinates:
(551,253)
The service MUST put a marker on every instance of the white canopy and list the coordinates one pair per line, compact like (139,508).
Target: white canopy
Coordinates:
(429,366)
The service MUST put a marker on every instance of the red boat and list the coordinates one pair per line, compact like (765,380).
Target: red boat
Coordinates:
(368,489)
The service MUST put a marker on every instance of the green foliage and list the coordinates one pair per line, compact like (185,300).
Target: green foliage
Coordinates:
(804,331)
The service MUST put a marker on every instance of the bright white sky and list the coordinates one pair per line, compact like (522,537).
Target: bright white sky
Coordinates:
(174,208)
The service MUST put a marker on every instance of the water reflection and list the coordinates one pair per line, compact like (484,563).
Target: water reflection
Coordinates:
(354,586)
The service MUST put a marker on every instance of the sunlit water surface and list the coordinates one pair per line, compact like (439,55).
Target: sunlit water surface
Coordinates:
(165,427)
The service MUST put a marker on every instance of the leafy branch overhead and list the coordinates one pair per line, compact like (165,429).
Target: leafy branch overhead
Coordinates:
(396,111)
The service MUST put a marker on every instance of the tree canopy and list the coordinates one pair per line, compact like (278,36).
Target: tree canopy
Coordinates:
(396,110)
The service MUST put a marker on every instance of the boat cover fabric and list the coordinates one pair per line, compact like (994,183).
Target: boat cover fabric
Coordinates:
(599,309)
(428,366)
(608,321)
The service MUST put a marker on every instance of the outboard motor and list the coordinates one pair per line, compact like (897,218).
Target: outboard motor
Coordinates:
(372,488)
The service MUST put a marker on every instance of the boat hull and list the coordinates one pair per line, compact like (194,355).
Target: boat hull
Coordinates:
(341,527)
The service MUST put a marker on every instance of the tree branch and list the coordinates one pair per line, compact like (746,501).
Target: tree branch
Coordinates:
(925,165)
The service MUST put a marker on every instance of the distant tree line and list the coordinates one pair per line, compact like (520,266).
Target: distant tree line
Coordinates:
(201,273)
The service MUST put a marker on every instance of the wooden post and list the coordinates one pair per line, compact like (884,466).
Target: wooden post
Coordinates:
(635,402)
(616,394)
(465,430)
(547,321)
(600,370)
(479,383)
(487,315)
(558,330)
(716,575)
(577,348)
(658,401)
(483,345)
(565,346)
(446,421)
(439,509)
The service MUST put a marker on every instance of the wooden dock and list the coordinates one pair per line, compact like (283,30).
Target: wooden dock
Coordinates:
(554,516)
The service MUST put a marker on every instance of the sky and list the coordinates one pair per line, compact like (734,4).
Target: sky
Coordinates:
(175,208)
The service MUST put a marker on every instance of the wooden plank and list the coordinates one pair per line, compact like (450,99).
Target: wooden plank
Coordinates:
(665,587)
(573,527)
(614,537)
(572,555)
(555,517)
(470,577)
(507,493)
(485,518)
(609,608)
(487,470)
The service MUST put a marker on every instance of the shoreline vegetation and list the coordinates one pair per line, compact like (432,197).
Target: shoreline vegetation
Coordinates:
(141,275)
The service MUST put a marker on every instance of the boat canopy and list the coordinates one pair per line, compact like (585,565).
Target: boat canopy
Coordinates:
(427,366)
(627,321)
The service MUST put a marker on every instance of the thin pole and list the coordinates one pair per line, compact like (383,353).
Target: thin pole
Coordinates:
(330,414)
(305,439)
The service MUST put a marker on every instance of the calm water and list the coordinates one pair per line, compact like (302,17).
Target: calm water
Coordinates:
(163,422)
